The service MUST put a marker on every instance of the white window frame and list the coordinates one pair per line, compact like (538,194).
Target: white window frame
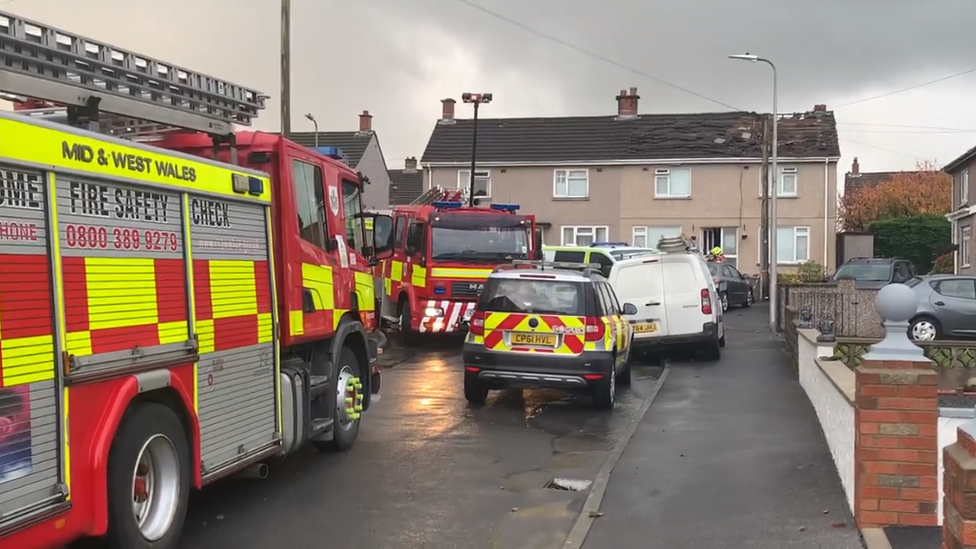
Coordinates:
(797,231)
(666,173)
(645,230)
(964,187)
(567,172)
(576,229)
(780,192)
(464,180)
(638,232)
(965,238)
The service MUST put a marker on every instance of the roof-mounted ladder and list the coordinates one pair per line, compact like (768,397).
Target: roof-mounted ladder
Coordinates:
(88,77)
(438,194)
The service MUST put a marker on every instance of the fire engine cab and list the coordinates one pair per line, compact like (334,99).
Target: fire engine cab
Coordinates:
(438,253)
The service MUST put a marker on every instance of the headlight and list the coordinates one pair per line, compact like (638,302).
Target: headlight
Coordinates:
(433,311)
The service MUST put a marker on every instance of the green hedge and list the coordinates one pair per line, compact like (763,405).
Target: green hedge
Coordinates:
(921,239)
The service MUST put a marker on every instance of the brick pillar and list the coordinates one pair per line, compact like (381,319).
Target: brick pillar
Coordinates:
(896,444)
(959,522)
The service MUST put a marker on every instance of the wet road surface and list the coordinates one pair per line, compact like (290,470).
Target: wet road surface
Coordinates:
(428,471)
(730,455)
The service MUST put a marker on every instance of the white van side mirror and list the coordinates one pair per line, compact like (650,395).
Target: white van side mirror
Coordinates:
(630,309)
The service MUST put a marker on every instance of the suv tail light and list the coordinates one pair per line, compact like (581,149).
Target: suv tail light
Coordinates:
(706,302)
(594,329)
(477,324)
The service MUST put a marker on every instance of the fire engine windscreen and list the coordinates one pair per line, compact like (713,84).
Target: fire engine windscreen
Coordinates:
(476,237)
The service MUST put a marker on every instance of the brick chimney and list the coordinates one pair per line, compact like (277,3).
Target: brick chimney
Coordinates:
(855,167)
(820,108)
(447,111)
(627,104)
(365,122)
(410,164)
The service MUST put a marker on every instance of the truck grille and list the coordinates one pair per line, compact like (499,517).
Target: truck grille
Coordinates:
(466,289)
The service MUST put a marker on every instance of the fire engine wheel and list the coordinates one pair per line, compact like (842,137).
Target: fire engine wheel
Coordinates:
(349,399)
(148,480)
(409,337)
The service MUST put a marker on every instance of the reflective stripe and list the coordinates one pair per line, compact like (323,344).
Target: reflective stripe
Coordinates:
(451,272)
(497,324)
(418,276)
(450,321)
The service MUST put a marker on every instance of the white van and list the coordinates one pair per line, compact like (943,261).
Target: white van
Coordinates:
(676,300)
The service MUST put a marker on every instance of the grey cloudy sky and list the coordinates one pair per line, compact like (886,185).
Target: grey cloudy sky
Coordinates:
(399,58)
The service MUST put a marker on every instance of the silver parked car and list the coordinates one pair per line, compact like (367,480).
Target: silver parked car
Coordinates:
(946,307)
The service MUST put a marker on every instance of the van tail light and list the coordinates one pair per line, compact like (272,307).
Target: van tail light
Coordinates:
(706,304)
(594,329)
(477,324)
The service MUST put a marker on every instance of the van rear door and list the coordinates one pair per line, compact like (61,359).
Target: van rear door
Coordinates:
(683,285)
(640,282)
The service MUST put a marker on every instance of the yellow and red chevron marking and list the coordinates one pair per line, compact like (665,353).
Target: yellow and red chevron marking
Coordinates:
(233,303)
(115,304)
(496,324)
(26,329)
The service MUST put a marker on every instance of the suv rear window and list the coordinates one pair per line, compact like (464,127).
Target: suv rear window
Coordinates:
(534,296)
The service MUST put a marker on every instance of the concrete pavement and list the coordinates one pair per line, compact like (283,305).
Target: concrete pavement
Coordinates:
(428,470)
(730,455)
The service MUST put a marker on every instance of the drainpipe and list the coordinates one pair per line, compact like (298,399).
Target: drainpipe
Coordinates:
(826,208)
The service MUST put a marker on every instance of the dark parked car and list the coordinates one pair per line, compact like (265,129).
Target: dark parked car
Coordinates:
(734,288)
(876,272)
(946,307)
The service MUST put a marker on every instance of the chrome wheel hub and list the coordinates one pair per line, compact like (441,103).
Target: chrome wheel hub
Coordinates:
(156,487)
(349,398)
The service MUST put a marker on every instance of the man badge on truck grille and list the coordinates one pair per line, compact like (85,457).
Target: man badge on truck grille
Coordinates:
(476,287)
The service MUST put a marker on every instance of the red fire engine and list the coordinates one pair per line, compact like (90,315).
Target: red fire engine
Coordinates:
(437,256)
(169,315)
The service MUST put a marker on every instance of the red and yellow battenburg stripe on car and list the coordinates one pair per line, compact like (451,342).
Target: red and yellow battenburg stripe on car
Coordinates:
(26,329)
(567,333)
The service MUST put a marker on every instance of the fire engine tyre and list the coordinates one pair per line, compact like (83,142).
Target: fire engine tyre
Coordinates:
(475,391)
(605,393)
(345,431)
(409,337)
(148,480)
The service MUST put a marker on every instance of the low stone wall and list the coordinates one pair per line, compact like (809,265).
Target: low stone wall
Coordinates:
(851,310)
(830,387)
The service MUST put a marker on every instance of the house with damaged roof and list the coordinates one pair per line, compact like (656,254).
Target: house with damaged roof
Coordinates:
(360,151)
(635,177)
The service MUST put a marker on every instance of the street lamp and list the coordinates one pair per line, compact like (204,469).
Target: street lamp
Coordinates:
(475,99)
(316,126)
(773,220)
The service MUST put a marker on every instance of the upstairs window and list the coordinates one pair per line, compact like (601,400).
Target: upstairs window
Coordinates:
(571,184)
(482,182)
(672,183)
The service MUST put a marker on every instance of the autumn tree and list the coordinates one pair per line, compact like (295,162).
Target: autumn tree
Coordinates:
(923,191)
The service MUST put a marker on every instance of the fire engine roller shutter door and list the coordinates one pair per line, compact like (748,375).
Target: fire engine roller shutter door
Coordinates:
(30,464)
(232,287)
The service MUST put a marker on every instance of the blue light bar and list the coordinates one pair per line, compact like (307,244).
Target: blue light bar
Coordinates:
(444,205)
(331,152)
(505,207)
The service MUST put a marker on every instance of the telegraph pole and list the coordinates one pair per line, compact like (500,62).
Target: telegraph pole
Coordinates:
(286,68)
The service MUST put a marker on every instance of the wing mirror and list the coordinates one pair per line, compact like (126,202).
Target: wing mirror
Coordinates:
(630,309)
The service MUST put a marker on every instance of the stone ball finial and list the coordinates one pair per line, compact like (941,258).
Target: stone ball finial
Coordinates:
(896,303)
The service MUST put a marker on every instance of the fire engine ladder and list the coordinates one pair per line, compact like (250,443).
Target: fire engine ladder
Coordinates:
(436,194)
(145,95)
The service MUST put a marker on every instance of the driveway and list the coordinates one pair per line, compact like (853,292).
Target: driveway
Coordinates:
(730,455)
